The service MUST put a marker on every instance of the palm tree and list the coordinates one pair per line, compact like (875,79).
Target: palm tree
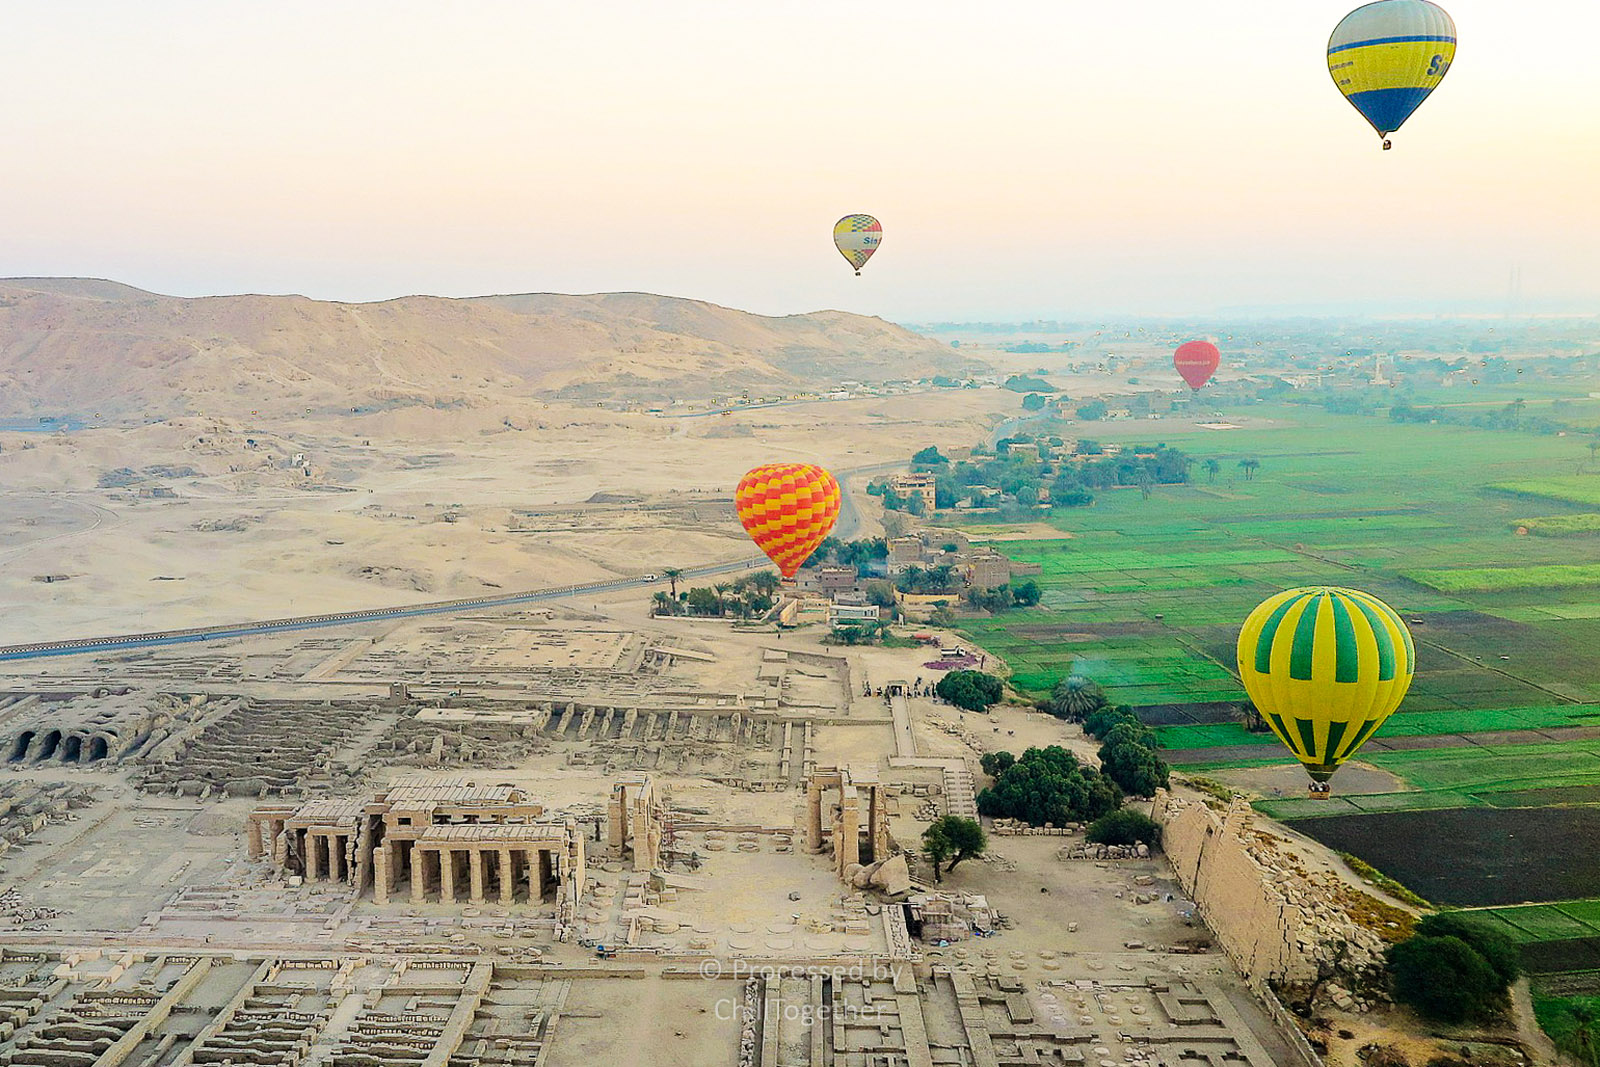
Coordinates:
(1076,697)
(672,574)
(1250,465)
(1213,468)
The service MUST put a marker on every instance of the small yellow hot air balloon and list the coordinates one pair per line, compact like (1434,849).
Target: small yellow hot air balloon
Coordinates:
(1326,667)
(857,237)
(788,509)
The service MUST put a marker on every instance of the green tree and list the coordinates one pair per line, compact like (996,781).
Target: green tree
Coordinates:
(955,838)
(930,457)
(1124,827)
(703,601)
(1027,594)
(1128,758)
(672,574)
(1093,411)
(1048,785)
(1445,978)
(995,763)
(1213,468)
(972,690)
(937,848)
(1249,465)
(942,617)
(1497,950)
(1075,697)
(1099,723)
(765,582)
(1033,402)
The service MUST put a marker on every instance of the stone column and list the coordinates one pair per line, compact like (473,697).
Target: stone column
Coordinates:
(252,839)
(536,866)
(475,873)
(337,867)
(508,883)
(617,818)
(849,834)
(380,875)
(419,874)
(447,875)
(577,866)
(313,856)
(813,818)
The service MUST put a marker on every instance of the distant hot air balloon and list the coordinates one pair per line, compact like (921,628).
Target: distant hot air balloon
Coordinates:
(1197,361)
(788,509)
(857,237)
(1325,667)
(1388,56)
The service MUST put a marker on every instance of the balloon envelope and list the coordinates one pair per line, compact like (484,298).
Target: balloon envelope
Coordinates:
(1197,361)
(788,509)
(857,237)
(1326,667)
(1388,56)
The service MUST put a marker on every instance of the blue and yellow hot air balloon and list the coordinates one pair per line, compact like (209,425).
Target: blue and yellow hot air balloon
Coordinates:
(1326,667)
(1388,56)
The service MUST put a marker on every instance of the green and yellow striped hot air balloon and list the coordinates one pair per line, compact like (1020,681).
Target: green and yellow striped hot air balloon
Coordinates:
(1326,667)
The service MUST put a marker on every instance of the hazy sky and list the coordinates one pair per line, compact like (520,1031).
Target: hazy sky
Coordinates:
(1026,159)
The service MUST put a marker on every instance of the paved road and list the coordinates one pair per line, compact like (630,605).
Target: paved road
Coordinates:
(349,618)
(849,522)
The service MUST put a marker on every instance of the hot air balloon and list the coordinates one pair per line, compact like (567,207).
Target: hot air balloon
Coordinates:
(1326,667)
(788,508)
(1197,361)
(1388,56)
(857,237)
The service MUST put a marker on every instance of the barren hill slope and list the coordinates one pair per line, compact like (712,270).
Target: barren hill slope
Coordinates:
(82,347)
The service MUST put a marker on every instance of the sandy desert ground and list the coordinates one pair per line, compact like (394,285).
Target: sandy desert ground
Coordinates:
(206,527)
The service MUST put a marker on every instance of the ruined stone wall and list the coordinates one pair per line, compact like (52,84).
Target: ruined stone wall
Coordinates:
(1280,924)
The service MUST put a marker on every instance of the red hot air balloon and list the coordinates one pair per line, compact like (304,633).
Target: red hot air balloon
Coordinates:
(1197,361)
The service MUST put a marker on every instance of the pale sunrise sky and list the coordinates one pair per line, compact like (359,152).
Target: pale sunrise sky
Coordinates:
(1055,159)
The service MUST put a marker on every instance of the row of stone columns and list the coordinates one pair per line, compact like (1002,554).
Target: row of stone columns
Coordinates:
(326,855)
(419,861)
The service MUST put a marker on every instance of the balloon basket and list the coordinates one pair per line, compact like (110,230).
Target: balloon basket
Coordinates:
(1387,144)
(1319,791)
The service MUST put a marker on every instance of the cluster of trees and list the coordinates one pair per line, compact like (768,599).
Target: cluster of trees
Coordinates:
(1513,416)
(1047,785)
(929,581)
(1023,383)
(748,597)
(952,838)
(1070,479)
(865,632)
(1005,597)
(1127,746)
(1454,969)
(866,555)
(972,690)
(1124,827)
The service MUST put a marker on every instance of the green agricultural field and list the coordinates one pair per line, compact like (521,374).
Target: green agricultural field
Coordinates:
(1582,524)
(1146,596)
(1572,489)
(1401,724)
(1509,579)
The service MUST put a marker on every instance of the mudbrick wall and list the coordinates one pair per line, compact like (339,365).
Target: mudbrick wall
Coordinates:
(1302,932)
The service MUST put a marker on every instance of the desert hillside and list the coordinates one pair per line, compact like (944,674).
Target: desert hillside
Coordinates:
(86,347)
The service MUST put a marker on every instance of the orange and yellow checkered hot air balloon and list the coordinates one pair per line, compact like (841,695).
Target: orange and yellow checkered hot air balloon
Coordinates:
(788,509)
